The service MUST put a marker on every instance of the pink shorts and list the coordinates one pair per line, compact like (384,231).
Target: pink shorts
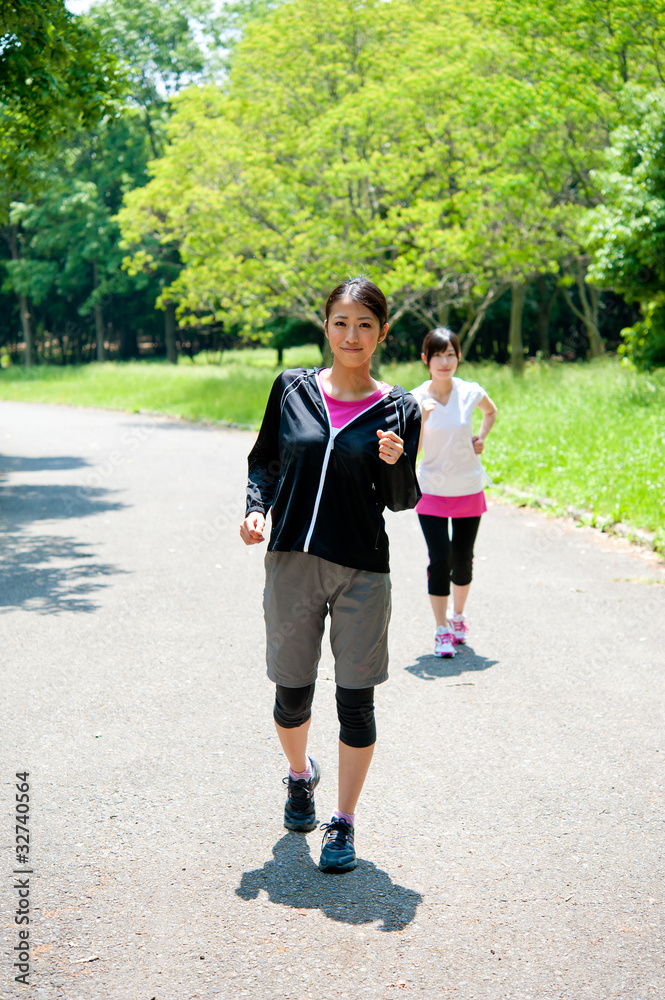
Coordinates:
(472,505)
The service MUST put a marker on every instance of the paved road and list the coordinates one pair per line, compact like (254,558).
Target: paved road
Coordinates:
(511,830)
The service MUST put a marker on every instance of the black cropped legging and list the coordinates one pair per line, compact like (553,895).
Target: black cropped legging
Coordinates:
(355,711)
(449,558)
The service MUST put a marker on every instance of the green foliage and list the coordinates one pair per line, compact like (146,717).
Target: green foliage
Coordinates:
(449,150)
(626,232)
(162,46)
(55,77)
(644,343)
(446,149)
(60,210)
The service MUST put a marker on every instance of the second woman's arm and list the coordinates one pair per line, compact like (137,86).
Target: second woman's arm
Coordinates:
(489,412)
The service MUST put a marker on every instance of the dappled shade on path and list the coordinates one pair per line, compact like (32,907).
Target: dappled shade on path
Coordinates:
(49,573)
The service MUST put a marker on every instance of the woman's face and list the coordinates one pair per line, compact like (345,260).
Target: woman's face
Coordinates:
(443,364)
(353,332)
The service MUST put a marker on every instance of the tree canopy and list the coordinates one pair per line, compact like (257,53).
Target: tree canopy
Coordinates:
(264,149)
(626,230)
(449,150)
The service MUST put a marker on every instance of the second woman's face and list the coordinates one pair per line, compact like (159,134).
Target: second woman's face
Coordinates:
(353,332)
(444,364)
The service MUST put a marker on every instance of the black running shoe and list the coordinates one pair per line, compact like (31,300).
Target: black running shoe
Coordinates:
(337,851)
(299,811)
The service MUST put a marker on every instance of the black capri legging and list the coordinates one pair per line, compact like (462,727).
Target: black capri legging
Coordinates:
(355,711)
(449,559)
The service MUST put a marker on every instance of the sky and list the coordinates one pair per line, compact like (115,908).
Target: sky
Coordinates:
(77,6)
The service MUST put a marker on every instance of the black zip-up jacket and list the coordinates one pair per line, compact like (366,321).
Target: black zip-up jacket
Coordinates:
(327,487)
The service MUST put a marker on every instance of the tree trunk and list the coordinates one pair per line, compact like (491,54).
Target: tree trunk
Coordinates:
(24,305)
(545,304)
(470,329)
(169,332)
(26,324)
(99,317)
(129,347)
(280,356)
(515,344)
(442,309)
(591,319)
(589,298)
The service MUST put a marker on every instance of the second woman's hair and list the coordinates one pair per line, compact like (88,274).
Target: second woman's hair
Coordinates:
(364,291)
(437,341)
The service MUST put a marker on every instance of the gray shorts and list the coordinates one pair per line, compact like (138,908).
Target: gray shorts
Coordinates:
(300,590)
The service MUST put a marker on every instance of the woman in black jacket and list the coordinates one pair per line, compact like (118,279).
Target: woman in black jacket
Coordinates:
(335,448)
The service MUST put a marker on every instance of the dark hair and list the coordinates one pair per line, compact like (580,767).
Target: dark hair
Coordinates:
(438,340)
(364,291)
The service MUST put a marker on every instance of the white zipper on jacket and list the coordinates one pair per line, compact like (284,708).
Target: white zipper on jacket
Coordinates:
(333,432)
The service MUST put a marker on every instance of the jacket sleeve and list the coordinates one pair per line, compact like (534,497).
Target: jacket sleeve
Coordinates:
(400,489)
(263,460)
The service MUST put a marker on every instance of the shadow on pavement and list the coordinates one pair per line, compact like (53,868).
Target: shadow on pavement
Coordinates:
(49,573)
(362,896)
(23,504)
(430,667)
(64,585)
(46,463)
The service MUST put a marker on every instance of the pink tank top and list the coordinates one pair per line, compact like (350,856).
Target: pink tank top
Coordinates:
(341,411)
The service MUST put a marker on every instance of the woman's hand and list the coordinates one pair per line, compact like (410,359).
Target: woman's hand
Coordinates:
(251,529)
(478,444)
(426,408)
(391,447)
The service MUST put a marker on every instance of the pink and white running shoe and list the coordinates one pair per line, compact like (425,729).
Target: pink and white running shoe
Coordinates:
(458,627)
(444,644)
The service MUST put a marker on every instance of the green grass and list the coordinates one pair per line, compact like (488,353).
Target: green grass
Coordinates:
(589,436)
(234,391)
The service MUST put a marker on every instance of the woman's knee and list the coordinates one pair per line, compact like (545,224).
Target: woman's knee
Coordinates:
(438,578)
(293,706)
(355,711)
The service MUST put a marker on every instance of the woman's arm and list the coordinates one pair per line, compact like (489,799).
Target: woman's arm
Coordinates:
(426,408)
(263,473)
(399,488)
(489,412)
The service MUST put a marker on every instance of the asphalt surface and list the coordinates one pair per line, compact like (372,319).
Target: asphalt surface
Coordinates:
(511,830)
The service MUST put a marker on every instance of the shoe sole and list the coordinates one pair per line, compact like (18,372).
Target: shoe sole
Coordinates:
(300,827)
(338,869)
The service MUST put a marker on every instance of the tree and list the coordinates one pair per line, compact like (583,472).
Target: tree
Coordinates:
(54,79)
(165,45)
(578,67)
(626,231)
(62,235)
(313,163)
(452,178)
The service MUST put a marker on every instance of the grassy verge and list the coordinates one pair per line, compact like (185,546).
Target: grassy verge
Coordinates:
(586,436)
(234,391)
